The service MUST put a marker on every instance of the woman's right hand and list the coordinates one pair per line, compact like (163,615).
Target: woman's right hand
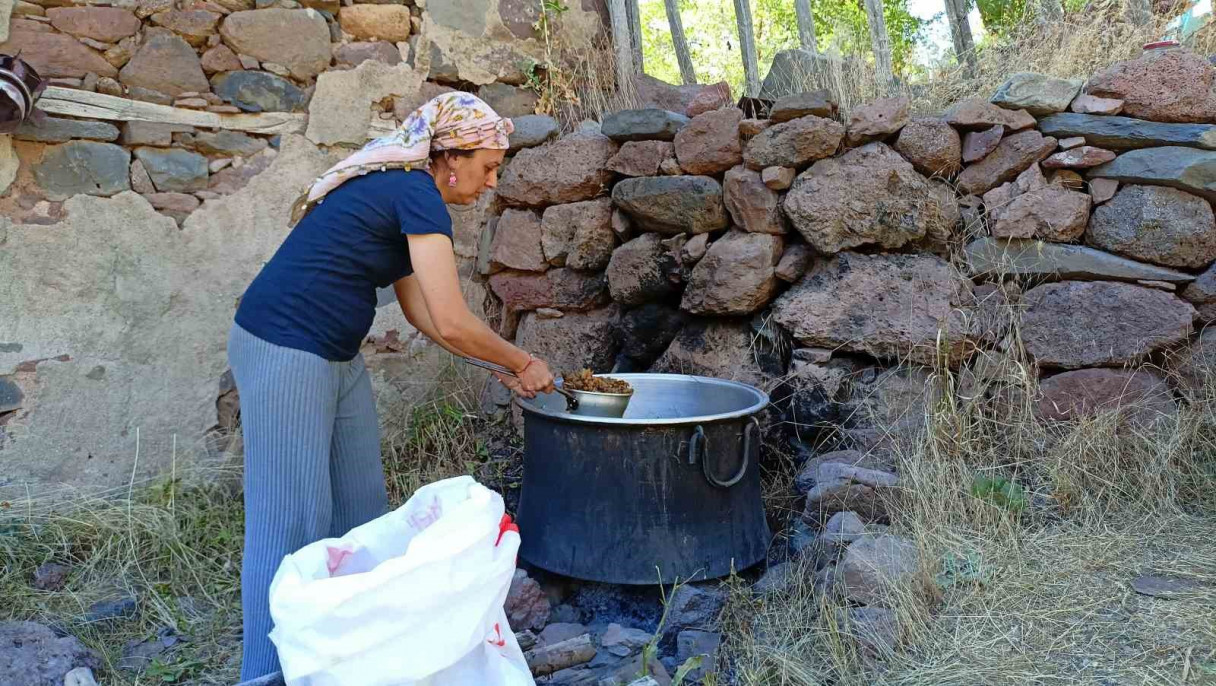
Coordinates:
(535,378)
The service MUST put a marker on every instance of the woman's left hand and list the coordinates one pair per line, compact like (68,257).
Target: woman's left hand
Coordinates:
(512,384)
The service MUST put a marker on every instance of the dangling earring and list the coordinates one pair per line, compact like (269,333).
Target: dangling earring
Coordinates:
(452,179)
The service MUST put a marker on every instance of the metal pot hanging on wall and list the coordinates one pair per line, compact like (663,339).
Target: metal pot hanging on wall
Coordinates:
(20,86)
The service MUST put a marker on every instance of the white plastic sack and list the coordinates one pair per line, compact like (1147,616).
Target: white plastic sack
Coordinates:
(414,598)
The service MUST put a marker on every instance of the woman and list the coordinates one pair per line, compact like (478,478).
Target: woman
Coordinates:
(312,444)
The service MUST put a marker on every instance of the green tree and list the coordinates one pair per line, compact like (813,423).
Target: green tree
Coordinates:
(712,39)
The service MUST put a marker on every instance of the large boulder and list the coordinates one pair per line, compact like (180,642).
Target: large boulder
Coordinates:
(819,103)
(1081,157)
(636,273)
(932,146)
(868,196)
(1187,169)
(60,130)
(517,242)
(793,69)
(1140,397)
(710,145)
(1165,86)
(104,24)
(573,341)
(753,206)
(837,488)
(570,169)
(736,276)
(84,167)
(975,114)
(532,130)
(1193,368)
(794,143)
(888,306)
(32,654)
(295,39)
(258,91)
(646,332)
(1013,156)
(165,63)
(988,257)
(641,158)
(174,170)
(979,144)
(1038,94)
(673,204)
(563,289)
(389,23)
(1076,324)
(879,571)
(719,348)
(195,26)
(1126,133)
(1154,224)
(643,125)
(1052,213)
(579,235)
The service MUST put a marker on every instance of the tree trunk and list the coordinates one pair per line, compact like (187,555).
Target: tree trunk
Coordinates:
(635,36)
(960,33)
(680,43)
(1138,12)
(882,46)
(622,48)
(747,45)
(1050,11)
(806,25)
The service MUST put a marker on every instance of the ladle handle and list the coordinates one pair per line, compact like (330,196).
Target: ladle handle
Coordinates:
(503,370)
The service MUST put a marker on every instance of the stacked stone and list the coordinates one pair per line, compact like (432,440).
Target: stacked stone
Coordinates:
(233,57)
(813,255)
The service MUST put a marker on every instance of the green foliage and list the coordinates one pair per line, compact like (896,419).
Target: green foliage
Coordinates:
(714,44)
(961,570)
(1000,492)
(172,672)
(1000,16)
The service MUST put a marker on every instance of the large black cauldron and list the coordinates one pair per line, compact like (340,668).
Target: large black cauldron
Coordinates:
(672,489)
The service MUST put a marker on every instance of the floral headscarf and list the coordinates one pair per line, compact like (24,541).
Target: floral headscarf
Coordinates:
(452,121)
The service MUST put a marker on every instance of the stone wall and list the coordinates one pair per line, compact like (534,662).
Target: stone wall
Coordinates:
(835,262)
(124,245)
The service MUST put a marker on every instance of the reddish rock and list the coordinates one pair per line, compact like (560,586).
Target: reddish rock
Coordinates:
(120,54)
(709,144)
(818,103)
(1076,324)
(1052,214)
(836,488)
(877,121)
(1013,156)
(641,158)
(1070,143)
(527,606)
(196,26)
(694,249)
(563,289)
(716,348)
(517,242)
(354,54)
(55,54)
(234,179)
(978,144)
(868,196)
(794,143)
(794,262)
(166,64)
(1202,294)
(712,97)
(753,206)
(636,272)
(1089,104)
(568,170)
(1068,179)
(1140,397)
(105,24)
(376,22)
(975,114)
(736,276)
(932,146)
(778,178)
(1156,224)
(573,341)
(913,307)
(578,234)
(1083,157)
(296,39)
(1102,189)
(673,205)
(749,128)
(176,205)
(219,59)
(880,571)
(1168,86)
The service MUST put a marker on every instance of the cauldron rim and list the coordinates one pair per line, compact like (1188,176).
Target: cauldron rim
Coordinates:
(760,401)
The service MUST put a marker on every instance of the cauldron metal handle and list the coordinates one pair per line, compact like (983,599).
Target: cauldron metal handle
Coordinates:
(698,448)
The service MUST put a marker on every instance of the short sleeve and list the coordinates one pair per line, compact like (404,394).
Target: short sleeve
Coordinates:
(419,207)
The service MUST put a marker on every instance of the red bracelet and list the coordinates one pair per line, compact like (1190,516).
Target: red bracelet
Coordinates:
(531,359)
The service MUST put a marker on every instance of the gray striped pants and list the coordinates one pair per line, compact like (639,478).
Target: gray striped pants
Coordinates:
(312,466)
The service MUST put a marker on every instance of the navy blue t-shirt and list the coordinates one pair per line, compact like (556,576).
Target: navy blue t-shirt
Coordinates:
(318,292)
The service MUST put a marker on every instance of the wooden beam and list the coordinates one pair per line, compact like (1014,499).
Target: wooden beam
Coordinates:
(687,73)
(806,25)
(635,35)
(881,43)
(960,34)
(79,103)
(621,46)
(747,44)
